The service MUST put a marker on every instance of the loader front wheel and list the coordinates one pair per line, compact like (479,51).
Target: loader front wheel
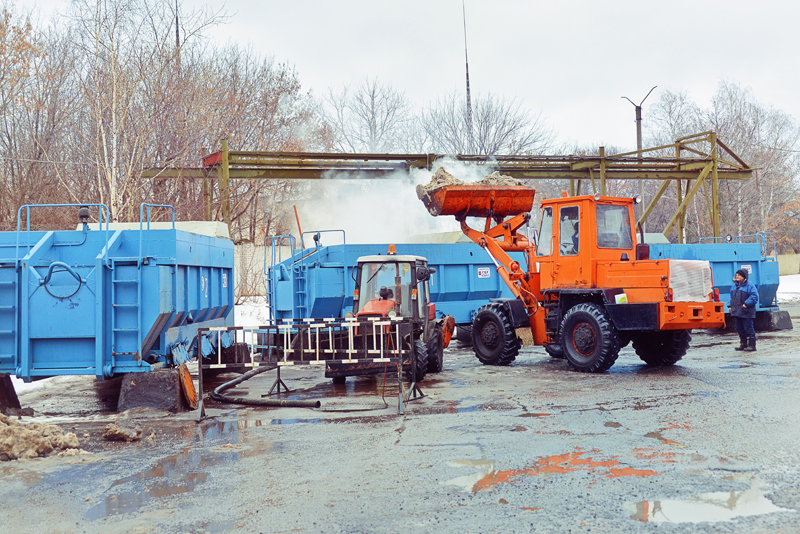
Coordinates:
(590,342)
(494,340)
(662,348)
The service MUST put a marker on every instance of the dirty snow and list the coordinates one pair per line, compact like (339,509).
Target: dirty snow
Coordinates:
(18,440)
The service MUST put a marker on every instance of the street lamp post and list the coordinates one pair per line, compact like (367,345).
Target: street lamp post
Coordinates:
(639,145)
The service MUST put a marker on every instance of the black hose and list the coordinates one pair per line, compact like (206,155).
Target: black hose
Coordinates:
(219,397)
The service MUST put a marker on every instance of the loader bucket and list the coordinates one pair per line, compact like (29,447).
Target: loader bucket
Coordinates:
(477,200)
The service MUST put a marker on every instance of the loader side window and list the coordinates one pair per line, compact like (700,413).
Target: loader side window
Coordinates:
(613,227)
(568,239)
(545,233)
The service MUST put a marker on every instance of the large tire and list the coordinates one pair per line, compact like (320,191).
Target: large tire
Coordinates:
(662,348)
(494,340)
(421,356)
(436,352)
(590,342)
(555,350)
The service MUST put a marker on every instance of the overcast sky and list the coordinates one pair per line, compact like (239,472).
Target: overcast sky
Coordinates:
(571,60)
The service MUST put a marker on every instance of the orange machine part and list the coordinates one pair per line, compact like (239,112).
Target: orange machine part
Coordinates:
(478,200)
(448,327)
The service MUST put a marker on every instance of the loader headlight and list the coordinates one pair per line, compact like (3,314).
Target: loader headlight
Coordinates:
(348,315)
(391,313)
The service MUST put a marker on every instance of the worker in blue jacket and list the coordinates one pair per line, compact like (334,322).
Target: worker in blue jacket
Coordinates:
(744,297)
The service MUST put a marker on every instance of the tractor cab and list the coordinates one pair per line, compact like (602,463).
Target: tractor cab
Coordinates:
(393,286)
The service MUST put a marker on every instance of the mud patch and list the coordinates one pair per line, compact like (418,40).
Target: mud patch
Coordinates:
(558,464)
(19,440)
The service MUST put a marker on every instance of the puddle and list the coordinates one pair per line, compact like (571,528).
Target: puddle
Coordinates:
(173,475)
(294,421)
(739,366)
(707,507)
(487,477)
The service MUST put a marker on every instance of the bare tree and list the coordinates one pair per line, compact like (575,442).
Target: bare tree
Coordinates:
(765,138)
(369,118)
(499,126)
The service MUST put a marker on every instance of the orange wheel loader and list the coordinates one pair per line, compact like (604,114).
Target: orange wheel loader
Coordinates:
(587,289)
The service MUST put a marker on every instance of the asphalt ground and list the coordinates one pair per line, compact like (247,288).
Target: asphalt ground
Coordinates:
(707,445)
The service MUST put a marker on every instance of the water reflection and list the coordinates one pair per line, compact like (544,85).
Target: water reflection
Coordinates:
(707,507)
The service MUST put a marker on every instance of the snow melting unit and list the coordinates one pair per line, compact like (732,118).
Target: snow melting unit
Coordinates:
(111,300)
(755,254)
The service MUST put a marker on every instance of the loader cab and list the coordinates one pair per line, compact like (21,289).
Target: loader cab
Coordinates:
(577,232)
(392,286)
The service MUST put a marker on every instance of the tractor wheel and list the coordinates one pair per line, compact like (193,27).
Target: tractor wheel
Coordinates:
(662,348)
(590,341)
(554,350)
(421,357)
(493,339)
(436,352)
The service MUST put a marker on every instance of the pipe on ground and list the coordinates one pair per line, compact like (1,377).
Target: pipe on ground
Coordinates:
(219,397)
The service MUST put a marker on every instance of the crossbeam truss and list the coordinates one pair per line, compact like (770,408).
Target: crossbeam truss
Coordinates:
(695,164)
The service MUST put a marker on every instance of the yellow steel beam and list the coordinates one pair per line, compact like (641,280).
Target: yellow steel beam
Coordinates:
(689,195)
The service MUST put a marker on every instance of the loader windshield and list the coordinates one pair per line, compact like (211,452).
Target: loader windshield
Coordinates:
(387,281)
(613,227)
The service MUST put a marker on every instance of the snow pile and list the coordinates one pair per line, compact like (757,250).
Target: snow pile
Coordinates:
(29,441)
(789,288)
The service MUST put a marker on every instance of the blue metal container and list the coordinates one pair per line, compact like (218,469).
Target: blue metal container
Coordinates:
(319,281)
(754,253)
(106,302)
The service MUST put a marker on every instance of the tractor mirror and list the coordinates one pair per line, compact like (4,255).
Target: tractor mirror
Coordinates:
(424,273)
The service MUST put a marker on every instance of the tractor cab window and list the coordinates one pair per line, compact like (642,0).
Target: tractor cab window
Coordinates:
(568,236)
(390,281)
(545,233)
(613,227)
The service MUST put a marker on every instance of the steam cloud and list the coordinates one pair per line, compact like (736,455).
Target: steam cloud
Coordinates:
(380,210)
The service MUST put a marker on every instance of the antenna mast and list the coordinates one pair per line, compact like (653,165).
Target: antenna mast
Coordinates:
(469,101)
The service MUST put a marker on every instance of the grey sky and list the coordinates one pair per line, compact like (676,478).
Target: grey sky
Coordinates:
(571,60)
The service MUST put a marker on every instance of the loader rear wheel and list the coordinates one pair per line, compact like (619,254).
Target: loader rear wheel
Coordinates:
(590,342)
(494,340)
(436,352)
(662,348)
(421,356)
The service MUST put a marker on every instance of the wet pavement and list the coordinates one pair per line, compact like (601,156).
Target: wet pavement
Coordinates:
(708,445)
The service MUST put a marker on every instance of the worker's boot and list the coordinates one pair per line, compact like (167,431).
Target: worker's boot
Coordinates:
(742,343)
(751,345)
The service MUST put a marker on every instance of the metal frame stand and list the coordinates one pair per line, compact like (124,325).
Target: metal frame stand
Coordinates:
(277,384)
(201,409)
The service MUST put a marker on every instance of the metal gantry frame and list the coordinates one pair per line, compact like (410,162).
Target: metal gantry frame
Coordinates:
(696,161)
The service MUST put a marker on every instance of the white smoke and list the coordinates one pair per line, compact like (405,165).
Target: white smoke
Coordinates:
(379,210)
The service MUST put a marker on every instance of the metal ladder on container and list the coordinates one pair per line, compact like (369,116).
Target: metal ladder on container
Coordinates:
(8,293)
(300,291)
(119,307)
